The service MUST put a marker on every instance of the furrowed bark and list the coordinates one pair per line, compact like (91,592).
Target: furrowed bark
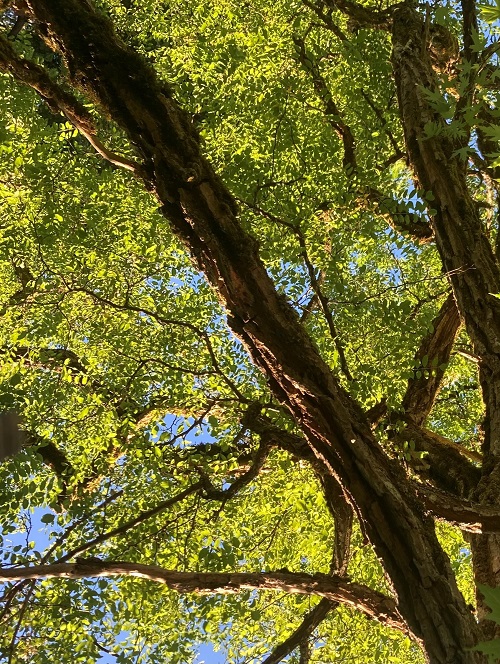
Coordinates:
(436,348)
(465,250)
(203,214)
(372,603)
(466,254)
(471,517)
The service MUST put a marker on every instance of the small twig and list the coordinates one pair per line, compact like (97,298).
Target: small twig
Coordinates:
(132,523)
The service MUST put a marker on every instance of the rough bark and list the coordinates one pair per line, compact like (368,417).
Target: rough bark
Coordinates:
(464,248)
(335,588)
(436,349)
(203,214)
(466,254)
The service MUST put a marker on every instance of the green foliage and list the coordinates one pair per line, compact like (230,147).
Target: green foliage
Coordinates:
(490,13)
(492,599)
(118,355)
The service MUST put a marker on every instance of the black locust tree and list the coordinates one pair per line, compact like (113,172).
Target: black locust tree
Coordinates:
(250,322)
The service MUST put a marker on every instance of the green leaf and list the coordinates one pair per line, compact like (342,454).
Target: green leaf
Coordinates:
(492,599)
(490,648)
(48,518)
(490,13)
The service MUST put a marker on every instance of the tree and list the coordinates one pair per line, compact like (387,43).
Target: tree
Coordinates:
(318,415)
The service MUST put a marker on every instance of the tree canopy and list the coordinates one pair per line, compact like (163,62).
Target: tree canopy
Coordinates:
(250,322)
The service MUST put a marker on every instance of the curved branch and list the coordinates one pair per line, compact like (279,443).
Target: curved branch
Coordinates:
(372,603)
(397,215)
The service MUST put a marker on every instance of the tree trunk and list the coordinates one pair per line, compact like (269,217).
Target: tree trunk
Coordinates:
(466,253)
(203,214)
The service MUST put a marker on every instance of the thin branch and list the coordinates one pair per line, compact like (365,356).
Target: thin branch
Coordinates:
(396,214)
(372,603)
(332,112)
(324,307)
(24,607)
(315,282)
(125,527)
(469,20)
(326,18)
(168,321)
(335,497)
(259,460)
(309,623)
(8,597)
(383,122)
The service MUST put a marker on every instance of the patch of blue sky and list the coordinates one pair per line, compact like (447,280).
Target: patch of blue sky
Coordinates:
(184,431)
(28,544)
(207,655)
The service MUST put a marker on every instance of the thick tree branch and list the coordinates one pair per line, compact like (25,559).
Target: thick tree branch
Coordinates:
(372,603)
(464,247)
(466,515)
(430,361)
